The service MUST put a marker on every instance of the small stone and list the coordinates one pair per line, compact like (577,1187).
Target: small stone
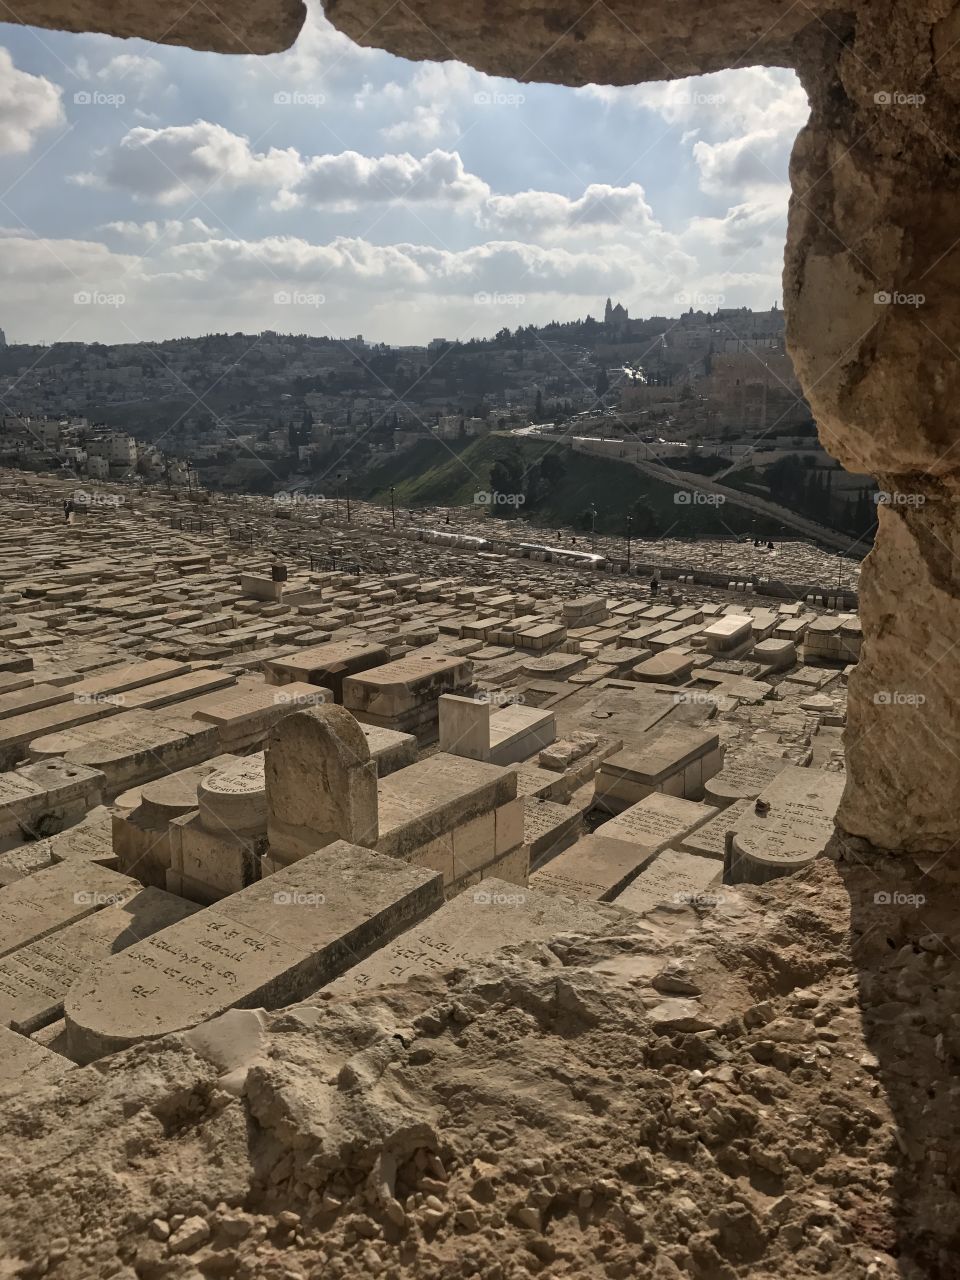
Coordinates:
(433,1217)
(235,1227)
(190,1235)
(527,1216)
(288,1219)
(159,1229)
(330,1204)
(585,1199)
(468,1220)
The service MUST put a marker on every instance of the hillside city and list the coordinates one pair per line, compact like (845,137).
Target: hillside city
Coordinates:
(714,393)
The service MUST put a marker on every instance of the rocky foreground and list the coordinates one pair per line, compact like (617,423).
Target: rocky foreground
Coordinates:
(700,1096)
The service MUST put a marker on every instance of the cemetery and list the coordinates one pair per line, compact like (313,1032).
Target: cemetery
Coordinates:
(231,814)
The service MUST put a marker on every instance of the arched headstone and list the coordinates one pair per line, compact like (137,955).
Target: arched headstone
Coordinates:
(321,784)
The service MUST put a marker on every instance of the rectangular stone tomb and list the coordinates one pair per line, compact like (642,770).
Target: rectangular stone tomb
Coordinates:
(673,879)
(22,1062)
(677,762)
(326,664)
(43,798)
(657,821)
(471,927)
(269,945)
(597,867)
(403,695)
(53,898)
(454,815)
(35,979)
(792,827)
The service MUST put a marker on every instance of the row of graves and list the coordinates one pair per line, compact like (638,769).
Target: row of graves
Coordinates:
(221,789)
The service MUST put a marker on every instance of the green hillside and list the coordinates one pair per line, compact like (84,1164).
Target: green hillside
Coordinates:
(449,473)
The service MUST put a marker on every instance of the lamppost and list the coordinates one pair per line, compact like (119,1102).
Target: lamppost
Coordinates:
(629,536)
(393,509)
(593,526)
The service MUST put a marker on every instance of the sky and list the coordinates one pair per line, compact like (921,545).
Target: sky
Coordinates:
(151,192)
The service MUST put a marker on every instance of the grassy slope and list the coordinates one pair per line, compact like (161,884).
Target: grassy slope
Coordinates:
(448,473)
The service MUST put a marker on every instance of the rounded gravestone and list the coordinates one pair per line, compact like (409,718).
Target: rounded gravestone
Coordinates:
(171,796)
(778,654)
(235,798)
(742,777)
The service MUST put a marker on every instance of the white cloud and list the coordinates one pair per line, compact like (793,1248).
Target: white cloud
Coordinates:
(425,124)
(28,105)
(349,180)
(743,165)
(182,162)
(601,209)
(170,231)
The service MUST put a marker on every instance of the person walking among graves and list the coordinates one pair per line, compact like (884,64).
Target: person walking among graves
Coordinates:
(654,585)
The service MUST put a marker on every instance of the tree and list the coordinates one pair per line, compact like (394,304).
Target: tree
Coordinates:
(603,382)
(643,519)
(538,406)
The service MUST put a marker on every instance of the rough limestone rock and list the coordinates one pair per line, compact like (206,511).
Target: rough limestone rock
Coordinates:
(257,26)
(763,1094)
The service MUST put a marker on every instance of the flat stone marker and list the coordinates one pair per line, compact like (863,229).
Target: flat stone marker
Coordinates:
(35,979)
(673,879)
(470,927)
(269,945)
(710,840)
(657,821)
(597,867)
(22,1062)
(51,899)
(743,776)
(794,829)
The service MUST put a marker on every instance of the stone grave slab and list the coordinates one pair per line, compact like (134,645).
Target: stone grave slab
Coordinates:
(273,943)
(673,879)
(35,978)
(471,927)
(596,867)
(796,822)
(744,775)
(22,1063)
(56,897)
